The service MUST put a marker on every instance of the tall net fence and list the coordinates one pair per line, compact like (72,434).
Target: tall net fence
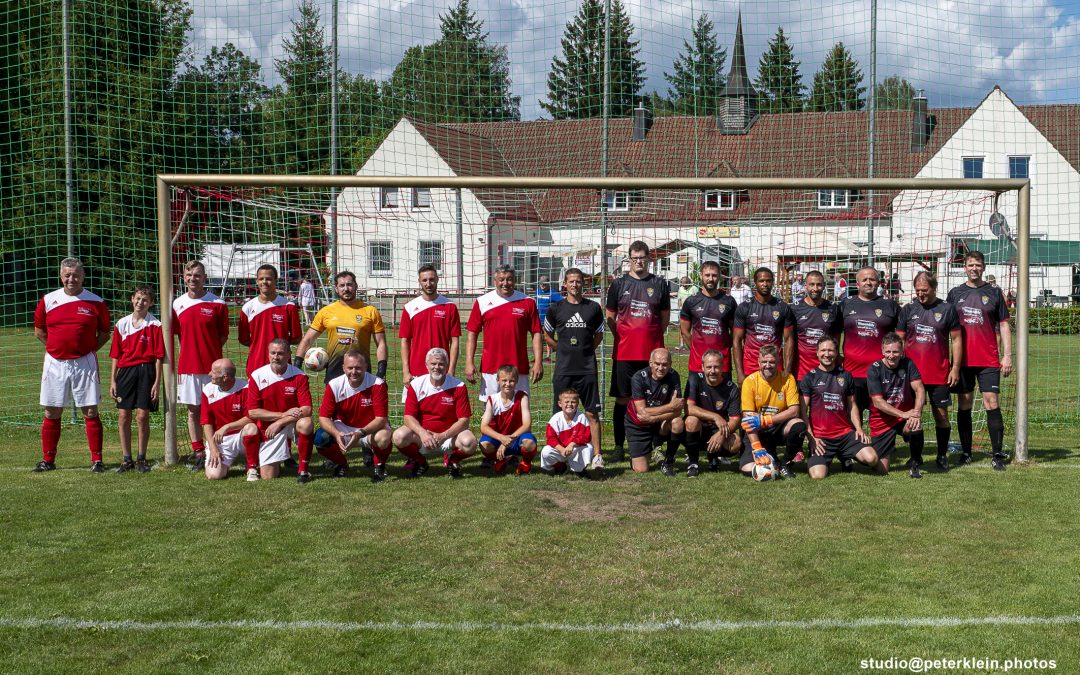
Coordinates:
(98,97)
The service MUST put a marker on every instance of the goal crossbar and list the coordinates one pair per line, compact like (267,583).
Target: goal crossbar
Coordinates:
(1021,186)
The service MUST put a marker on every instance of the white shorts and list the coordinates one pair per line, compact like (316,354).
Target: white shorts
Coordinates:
(270,452)
(189,388)
(365,442)
(444,448)
(490,385)
(578,461)
(64,380)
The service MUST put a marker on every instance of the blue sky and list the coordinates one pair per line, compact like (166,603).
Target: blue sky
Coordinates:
(956,50)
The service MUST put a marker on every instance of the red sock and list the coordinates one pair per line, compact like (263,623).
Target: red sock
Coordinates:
(251,450)
(527,457)
(197,447)
(50,438)
(381,454)
(94,435)
(456,456)
(303,447)
(413,453)
(334,454)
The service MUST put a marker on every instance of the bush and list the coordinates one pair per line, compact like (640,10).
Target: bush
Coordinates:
(1053,321)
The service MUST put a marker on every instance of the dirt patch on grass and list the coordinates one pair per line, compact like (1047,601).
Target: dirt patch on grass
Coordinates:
(581,507)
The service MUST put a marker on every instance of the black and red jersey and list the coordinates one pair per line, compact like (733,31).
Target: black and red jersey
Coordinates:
(926,330)
(637,304)
(829,392)
(866,322)
(813,322)
(711,321)
(764,324)
(894,386)
(981,310)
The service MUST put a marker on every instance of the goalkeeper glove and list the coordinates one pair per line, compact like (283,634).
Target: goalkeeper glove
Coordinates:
(754,421)
(298,361)
(380,372)
(761,455)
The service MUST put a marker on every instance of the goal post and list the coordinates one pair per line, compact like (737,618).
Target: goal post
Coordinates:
(166,183)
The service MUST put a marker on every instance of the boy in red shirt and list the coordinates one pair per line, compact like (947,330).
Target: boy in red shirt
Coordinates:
(137,352)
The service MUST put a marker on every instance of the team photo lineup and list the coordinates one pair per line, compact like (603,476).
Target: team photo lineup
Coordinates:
(772,389)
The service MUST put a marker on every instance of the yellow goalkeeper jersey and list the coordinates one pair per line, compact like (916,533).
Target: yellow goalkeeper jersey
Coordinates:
(769,396)
(348,326)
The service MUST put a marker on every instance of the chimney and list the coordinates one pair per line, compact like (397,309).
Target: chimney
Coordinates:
(920,122)
(642,122)
(738,100)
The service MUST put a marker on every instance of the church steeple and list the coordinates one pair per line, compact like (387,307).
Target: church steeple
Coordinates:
(738,104)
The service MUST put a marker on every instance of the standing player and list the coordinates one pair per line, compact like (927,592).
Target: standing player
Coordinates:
(267,316)
(427,321)
(984,319)
(73,324)
(713,410)
(771,413)
(568,439)
(505,427)
(573,327)
(815,317)
(545,296)
(138,350)
(832,415)
(868,317)
(354,413)
(638,309)
(279,400)
(686,289)
(349,323)
(506,317)
(200,320)
(931,330)
(437,413)
(655,413)
(897,395)
(763,320)
(706,319)
(227,427)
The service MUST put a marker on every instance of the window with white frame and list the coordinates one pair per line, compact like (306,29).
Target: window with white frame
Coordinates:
(430,254)
(1019,167)
(973,167)
(616,200)
(720,200)
(421,198)
(380,254)
(833,199)
(388,198)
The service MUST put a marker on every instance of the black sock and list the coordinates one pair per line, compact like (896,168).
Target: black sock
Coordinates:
(995,428)
(693,446)
(916,440)
(142,457)
(943,434)
(795,441)
(672,447)
(619,418)
(127,457)
(963,426)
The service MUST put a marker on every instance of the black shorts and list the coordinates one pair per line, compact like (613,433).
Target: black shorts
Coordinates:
(846,446)
(939,395)
(989,380)
(707,432)
(771,439)
(587,386)
(133,387)
(885,442)
(862,394)
(622,372)
(640,441)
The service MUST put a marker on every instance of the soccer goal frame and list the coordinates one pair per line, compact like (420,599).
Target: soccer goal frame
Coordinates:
(165,182)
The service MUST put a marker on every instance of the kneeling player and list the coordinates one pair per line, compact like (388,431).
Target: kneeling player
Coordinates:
(712,409)
(353,414)
(897,396)
(654,413)
(279,400)
(437,416)
(226,425)
(831,414)
(770,415)
(506,423)
(569,438)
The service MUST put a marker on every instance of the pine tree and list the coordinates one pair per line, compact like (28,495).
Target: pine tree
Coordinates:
(779,85)
(576,79)
(837,86)
(895,93)
(698,77)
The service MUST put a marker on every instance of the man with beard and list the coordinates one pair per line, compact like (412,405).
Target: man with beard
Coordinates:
(706,319)
(763,320)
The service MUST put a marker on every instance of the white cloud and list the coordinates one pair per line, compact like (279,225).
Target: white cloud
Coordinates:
(956,50)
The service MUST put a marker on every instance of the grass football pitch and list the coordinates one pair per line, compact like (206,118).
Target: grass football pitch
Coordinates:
(166,572)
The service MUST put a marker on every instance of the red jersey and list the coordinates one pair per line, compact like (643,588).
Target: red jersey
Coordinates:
(982,312)
(637,304)
(357,406)
(866,322)
(278,393)
(132,345)
(202,324)
(428,324)
(561,431)
(72,322)
(506,324)
(221,407)
(506,418)
(437,408)
(927,331)
(829,393)
(260,322)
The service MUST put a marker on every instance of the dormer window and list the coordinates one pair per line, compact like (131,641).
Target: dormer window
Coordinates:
(721,200)
(619,200)
(833,199)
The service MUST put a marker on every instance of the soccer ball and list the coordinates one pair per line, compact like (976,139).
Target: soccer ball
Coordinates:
(764,472)
(316,358)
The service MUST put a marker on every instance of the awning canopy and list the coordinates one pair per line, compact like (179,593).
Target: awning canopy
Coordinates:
(1003,251)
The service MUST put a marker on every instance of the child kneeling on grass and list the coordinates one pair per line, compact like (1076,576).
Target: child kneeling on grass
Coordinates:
(506,423)
(569,438)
